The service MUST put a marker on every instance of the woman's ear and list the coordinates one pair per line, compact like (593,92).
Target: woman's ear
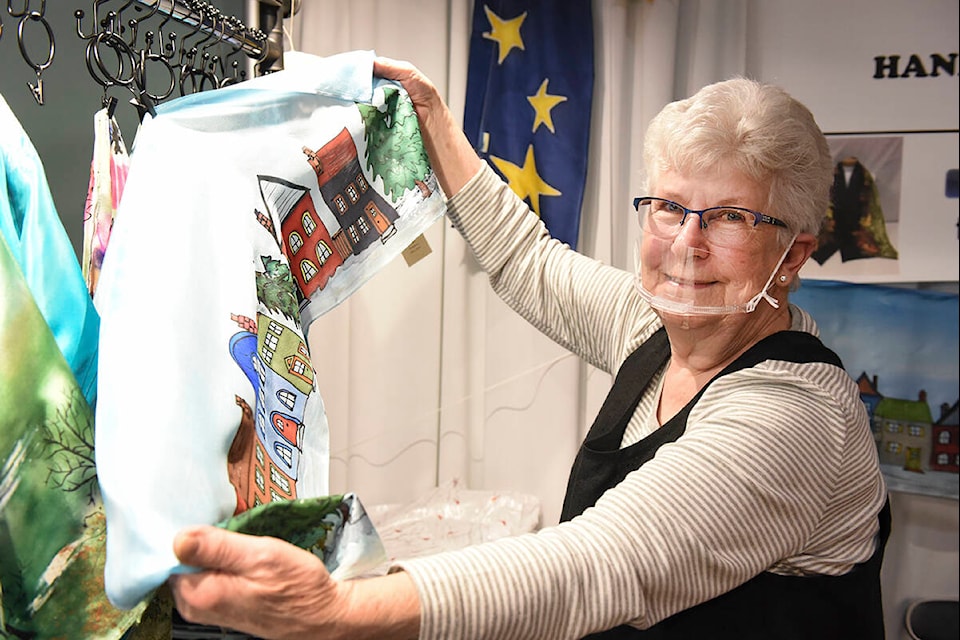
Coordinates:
(803,247)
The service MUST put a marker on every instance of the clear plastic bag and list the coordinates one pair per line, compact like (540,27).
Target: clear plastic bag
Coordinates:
(451,517)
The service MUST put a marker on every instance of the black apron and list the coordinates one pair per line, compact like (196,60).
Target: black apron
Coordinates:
(769,606)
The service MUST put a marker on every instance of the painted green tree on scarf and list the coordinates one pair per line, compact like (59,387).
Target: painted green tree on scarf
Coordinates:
(395,150)
(276,289)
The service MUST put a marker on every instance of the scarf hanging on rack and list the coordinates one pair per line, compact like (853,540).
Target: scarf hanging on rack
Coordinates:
(51,516)
(248,212)
(108,173)
(38,242)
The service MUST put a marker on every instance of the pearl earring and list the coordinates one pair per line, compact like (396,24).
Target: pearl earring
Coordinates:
(783,279)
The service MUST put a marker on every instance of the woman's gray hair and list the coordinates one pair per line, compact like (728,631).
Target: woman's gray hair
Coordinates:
(758,129)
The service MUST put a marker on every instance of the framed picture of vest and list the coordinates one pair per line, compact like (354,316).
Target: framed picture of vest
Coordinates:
(891,216)
(883,87)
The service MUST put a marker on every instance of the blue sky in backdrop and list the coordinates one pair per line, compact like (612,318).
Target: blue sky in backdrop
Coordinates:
(905,337)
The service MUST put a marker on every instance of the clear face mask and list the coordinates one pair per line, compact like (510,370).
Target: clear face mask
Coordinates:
(676,290)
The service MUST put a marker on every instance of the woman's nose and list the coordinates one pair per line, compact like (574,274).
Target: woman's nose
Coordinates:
(691,231)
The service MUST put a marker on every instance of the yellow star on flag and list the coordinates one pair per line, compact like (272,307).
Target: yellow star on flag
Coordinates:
(506,33)
(543,103)
(525,181)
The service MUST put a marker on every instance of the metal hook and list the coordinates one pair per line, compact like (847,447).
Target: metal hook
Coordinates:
(26,8)
(206,35)
(134,23)
(114,20)
(188,70)
(163,23)
(239,33)
(79,15)
(170,48)
(219,27)
(110,23)
(183,41)
(36,16)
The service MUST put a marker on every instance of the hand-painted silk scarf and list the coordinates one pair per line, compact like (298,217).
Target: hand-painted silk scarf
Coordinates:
(51,517)
(108,173)
(290,191)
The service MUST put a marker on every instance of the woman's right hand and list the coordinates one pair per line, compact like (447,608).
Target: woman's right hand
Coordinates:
(423,93)
(271,589)
(451,154)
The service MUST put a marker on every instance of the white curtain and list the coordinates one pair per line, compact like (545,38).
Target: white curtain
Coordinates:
(426,375)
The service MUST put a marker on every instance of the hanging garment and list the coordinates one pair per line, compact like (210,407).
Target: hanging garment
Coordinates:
(108,173)
(51,515)
(854,224)
(36,238)
(247,212)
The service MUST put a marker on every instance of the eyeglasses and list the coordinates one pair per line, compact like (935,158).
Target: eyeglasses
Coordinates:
(722,226)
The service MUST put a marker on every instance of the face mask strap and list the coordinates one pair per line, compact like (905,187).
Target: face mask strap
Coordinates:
(764,293)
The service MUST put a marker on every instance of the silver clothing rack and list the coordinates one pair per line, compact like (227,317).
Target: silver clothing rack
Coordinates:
(209,20)
(127,40)
(264,43)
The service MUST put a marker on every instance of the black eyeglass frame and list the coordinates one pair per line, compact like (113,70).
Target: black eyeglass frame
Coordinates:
(757,216)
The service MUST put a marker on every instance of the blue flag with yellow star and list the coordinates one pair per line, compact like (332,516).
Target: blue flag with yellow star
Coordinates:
(529,90)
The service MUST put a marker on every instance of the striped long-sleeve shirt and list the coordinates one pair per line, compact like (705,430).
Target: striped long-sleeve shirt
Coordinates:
(777,469)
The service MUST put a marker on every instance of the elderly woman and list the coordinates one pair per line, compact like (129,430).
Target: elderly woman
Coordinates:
(729,487)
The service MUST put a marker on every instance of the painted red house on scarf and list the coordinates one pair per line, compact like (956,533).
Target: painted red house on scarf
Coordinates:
(363,214)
